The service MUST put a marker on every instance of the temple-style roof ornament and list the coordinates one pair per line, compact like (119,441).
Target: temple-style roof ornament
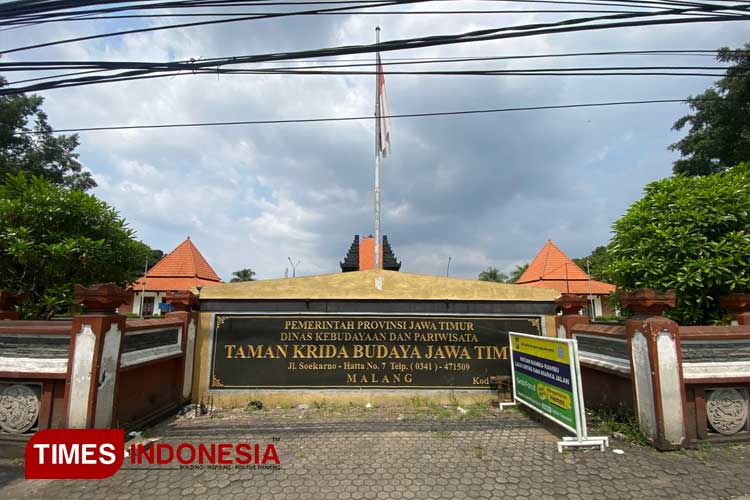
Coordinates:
(361,256)
(351,262)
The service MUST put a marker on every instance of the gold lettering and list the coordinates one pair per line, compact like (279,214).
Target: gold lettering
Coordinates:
(255,351)
(451,351)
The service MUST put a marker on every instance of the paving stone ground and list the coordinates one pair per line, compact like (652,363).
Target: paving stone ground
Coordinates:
(386,455)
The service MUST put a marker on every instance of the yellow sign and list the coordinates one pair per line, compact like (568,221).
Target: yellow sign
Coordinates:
(541,348)
(553,395)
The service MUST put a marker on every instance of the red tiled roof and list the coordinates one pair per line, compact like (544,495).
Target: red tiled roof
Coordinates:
(578,287)
(551,268)
(170,284)
(181,269)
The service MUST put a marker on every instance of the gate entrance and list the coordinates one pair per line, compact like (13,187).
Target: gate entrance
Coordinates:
(340,335)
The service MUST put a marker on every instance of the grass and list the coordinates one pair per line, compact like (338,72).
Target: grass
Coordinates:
(419,408)
(475,410)
(254,406)
(325,407)
(622,422)
(702,453)
(320,405)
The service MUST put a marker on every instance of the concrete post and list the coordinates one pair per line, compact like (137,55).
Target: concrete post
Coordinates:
(185,306)
(656,367)
(94,357)
(9,299)
(738,305)
(571,306)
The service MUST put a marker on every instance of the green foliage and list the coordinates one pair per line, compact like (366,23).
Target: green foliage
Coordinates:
(690,234)
(27,144)
(52,238)
(621,421)
(598,264)
(154,256)
(253,406)
(517,272)
(606,318)
(493,274)
(719,133)
(243,275)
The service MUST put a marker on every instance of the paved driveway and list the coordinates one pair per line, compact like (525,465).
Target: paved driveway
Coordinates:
(381,455)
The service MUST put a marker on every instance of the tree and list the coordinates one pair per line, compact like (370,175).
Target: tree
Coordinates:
(719,133)
(52,237)
(154,256)
(243,275)
(517,272)
(27,144)
(690,234)
(598,264)
(493,274)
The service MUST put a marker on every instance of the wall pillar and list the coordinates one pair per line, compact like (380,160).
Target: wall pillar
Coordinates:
(656,367)
(9,299)
(185,306)
(571,306)
(94,357)
(738,305)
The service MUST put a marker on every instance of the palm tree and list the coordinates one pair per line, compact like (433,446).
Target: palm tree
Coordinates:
(493,274)
(243,275)
(517,272)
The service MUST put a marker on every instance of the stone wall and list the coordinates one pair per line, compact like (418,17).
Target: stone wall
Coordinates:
(97,370)
(687,384)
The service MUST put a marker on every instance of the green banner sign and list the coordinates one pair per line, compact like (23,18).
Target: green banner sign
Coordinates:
(545,378)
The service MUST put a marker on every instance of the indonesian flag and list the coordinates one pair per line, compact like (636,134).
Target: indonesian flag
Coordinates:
(381,114)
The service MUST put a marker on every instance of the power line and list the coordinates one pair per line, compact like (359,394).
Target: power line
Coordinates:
(157,70)
(387,61)
(480,35)
(204,23)
(360,118)
(348,13)
(92,14)
(43,10)
(20,66)
(692,8)
(576,71)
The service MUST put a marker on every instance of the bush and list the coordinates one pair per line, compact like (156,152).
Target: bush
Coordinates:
(690,234)
(52,237)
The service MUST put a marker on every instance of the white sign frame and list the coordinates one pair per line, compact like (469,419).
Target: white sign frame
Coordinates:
(581,431)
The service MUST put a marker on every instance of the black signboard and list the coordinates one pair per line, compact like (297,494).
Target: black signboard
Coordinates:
(397,352)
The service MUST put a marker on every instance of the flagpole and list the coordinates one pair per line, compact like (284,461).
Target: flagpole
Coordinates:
(377,161)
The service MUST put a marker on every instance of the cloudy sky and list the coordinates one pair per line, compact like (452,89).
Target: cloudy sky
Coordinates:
(486,190)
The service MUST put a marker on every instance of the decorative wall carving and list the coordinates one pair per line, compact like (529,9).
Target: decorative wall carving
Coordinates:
(726,409)
(19,408)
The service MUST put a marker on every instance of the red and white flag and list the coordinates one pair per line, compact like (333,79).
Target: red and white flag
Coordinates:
(381,114)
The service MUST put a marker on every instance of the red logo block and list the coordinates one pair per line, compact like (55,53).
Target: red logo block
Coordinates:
(74,453)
